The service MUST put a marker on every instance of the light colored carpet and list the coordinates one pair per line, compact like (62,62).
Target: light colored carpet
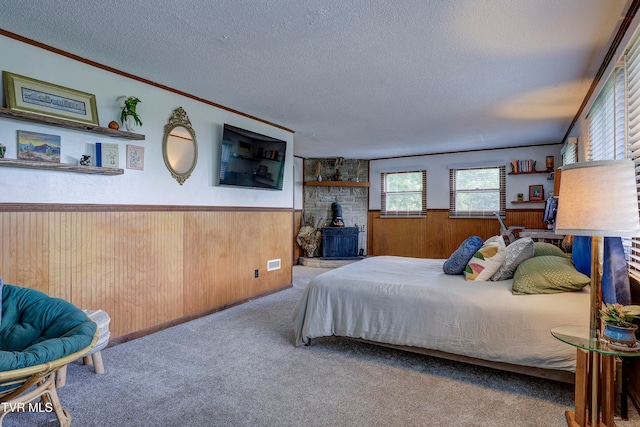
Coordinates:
(239,367)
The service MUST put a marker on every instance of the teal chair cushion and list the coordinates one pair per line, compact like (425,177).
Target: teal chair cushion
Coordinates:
(36,328)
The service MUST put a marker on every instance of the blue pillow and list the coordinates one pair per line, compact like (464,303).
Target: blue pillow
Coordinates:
(459,259)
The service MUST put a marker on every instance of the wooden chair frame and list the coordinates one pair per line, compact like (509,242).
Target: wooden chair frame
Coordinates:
(27,384)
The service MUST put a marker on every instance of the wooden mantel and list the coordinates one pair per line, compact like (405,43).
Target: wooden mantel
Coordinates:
(336,184)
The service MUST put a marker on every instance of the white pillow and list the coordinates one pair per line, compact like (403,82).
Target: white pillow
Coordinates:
(486,261)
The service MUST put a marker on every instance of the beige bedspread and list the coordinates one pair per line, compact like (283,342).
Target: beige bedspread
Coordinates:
(410,301)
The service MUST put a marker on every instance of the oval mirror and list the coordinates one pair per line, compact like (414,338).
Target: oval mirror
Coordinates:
(179,146)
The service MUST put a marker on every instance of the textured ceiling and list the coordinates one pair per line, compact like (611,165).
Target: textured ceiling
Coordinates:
(358,79)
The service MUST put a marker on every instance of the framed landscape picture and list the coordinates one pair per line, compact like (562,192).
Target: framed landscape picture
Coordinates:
(39,147)
(35,96)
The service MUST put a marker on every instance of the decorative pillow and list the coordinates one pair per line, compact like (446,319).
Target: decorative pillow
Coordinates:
(544,249)
(547,274)
(486,261)
(517,252)
(459,259)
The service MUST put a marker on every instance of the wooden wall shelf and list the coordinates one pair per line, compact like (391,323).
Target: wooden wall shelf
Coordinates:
(336,184)
(68,124)
(64,167)
(517,202)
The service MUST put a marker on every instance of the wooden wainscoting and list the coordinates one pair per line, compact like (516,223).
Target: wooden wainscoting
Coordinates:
(437,235)
(145,266)
(297,251)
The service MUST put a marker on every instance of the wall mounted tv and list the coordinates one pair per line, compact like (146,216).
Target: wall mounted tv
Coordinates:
(249,159)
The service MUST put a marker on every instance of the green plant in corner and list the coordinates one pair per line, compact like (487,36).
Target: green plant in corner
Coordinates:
(129,109)
(620,315)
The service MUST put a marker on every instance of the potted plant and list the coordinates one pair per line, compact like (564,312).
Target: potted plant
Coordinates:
(618,319)
(129,116)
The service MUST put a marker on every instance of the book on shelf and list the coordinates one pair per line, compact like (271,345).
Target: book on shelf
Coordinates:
(107,155)
(520,166)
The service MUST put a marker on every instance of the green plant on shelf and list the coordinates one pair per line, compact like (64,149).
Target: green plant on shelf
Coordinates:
(129,109)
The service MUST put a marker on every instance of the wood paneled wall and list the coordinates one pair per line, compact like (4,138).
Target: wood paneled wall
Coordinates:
(437,235)
(145,267)
(297,251)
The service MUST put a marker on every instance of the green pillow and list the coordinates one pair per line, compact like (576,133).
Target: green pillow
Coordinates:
(544,249)
(547,274)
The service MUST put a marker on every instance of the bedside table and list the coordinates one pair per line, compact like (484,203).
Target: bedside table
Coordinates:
(594,377)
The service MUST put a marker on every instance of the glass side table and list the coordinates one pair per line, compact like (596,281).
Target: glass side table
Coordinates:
(595,392)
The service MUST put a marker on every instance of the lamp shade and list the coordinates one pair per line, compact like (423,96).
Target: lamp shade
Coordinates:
(598,198)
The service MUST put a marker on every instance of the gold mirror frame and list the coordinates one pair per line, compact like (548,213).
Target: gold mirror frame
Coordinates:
(179,119)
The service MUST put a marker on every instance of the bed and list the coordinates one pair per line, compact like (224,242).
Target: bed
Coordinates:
(410,303)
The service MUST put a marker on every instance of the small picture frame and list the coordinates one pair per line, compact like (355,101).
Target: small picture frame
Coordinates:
(39,147)
(35,96)
(135,157)
(536,193)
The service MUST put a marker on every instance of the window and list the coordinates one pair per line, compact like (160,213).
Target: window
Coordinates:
(477,192)
(632,68)
(614,126)
(606,120)
(404,194)
(570,151)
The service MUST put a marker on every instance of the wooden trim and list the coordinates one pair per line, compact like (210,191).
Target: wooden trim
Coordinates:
(67,207)
(132,77)
(157,328)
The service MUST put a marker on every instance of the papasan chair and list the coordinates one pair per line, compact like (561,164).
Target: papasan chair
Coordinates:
(38,336)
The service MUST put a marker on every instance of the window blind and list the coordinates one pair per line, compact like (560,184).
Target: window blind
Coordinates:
(403,194)
(477,192)
(570,151)
(632,71)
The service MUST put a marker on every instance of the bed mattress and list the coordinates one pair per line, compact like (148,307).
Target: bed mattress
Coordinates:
(411,302)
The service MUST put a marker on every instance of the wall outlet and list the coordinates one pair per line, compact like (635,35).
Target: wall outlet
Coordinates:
(255,273)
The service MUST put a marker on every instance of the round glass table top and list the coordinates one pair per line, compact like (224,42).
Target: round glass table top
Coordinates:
(578,336)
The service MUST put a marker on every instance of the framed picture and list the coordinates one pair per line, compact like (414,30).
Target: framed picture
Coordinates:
(35,96)
(536,193)
(262,170)
(135,157)
(39,147)
(110,156)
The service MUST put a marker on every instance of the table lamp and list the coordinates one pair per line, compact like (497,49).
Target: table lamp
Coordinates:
(598,199)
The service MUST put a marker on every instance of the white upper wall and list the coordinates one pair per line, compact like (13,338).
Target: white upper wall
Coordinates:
(154,185)
(437,167)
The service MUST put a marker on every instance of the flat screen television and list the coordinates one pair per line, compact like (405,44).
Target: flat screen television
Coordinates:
(249,159)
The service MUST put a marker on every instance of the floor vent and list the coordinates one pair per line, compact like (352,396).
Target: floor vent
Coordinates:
(273,264)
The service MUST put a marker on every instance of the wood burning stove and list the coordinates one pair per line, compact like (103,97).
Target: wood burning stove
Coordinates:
(340,242)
